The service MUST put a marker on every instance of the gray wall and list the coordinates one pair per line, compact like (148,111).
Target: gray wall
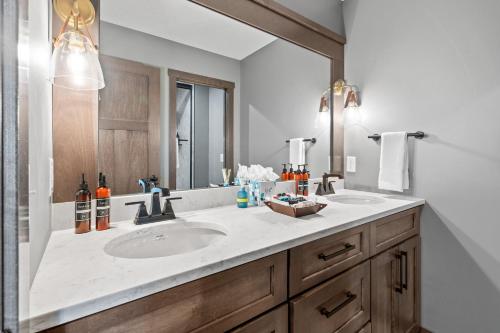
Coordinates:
(434,66)
(40,132)
(325,12)
(137,46)
(281,89)
(216,140)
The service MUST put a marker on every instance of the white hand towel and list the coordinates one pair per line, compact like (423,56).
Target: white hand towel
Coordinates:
(177,156)
(297,152)
(393,174)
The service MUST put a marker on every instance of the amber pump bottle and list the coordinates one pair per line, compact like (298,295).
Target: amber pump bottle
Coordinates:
(103,204)
(291,174)
(83,208)
(284,173)
(305,181)
(298,181)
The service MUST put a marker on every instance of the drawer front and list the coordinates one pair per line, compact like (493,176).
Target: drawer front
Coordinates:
(339,305)
(275,321)
(215,303)
(392,230)
(317,261)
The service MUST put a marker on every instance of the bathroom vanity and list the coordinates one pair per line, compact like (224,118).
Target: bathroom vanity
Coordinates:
(350,268)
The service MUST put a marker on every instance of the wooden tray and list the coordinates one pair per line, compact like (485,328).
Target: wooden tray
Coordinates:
(292,211)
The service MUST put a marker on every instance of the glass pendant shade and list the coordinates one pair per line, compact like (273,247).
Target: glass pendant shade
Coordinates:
(75,63)
(352,100)
(324,105)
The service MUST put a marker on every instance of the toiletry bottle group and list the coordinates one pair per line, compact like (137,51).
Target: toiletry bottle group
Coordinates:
(83,206)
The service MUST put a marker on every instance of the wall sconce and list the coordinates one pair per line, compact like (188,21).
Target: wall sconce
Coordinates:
(352,100)
(75,62)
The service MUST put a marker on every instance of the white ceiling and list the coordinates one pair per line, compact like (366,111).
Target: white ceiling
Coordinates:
(185,22)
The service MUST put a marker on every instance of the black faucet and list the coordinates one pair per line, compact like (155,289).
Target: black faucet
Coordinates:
(157,214)
(326,186)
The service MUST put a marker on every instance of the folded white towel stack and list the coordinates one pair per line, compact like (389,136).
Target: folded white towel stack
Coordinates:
(297,152)
(393,174)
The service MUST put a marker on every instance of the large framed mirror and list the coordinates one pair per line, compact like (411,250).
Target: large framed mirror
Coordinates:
(193,87)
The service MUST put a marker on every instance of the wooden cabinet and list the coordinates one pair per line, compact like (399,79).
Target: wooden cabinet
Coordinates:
(395,289)
(362,280)
(216,303)
(339,305)
(392,230)
(275,321)
(315,262)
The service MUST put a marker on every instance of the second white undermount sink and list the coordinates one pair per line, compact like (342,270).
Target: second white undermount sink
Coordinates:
(165,240)
(356,199)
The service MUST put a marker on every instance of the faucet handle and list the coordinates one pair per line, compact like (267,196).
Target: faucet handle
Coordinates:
(168,211)
(142,212)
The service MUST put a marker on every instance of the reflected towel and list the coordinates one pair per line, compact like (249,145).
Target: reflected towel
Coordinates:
(297,152)
(394,174)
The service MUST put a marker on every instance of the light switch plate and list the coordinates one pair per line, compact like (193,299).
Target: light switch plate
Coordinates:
(221,158)
(351,164)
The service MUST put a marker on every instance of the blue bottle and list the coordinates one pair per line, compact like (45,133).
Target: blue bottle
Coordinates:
(242,197)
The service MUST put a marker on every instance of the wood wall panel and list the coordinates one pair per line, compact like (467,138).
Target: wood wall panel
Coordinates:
(74,130)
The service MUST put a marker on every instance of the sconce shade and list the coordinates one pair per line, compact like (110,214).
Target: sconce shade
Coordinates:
(324,104)
(352,100)
(75,63)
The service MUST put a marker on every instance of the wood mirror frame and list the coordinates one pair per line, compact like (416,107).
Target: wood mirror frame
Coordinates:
(266,15)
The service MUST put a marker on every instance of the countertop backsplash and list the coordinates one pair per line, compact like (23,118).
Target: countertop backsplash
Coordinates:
(63,213)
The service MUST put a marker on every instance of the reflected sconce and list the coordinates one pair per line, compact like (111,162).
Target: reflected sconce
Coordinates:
(324,104)
(352,100)
(75,61)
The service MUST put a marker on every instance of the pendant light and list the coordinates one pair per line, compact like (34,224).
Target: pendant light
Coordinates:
(75,61)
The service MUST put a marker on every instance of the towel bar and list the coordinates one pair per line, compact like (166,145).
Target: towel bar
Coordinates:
(417,135)
(312,140)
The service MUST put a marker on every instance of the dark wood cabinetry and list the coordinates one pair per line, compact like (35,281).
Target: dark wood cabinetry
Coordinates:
(395,289)
(362,280)
(341,304)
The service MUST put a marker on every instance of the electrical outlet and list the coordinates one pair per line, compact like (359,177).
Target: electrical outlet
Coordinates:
(351,164)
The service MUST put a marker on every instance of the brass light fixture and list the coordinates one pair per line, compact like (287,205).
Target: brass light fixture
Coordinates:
(352,100)
(75,62)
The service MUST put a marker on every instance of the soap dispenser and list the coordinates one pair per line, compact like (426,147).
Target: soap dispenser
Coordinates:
(305,181)
(103,204)
(284,173)
(83,208)
(291,174)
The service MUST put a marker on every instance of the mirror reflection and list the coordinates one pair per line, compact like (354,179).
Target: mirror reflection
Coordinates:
(190,92)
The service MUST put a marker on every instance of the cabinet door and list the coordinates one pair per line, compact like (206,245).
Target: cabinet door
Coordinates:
(396,289)
(384,299)
(409,300)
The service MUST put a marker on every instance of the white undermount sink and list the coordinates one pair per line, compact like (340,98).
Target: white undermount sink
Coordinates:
(165,240)
(356,199)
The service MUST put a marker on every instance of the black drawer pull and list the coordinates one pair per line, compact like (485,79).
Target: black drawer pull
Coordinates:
(347,247)
(350,297)
(404,284)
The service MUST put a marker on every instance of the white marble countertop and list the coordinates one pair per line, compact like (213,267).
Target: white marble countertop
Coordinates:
(77,278)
